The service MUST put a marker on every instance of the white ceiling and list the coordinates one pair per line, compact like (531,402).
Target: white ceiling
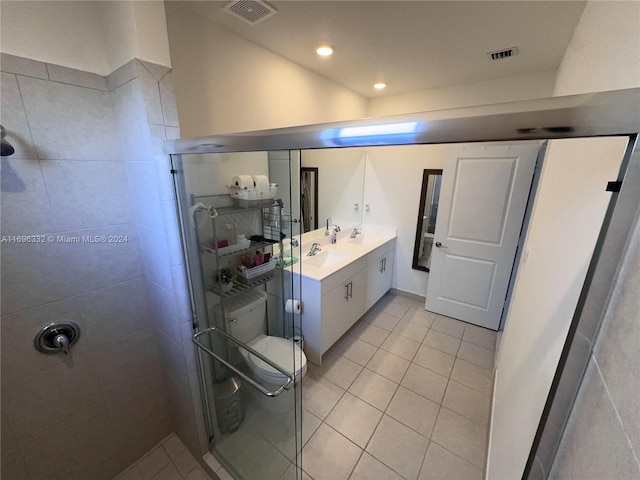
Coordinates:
(410,45)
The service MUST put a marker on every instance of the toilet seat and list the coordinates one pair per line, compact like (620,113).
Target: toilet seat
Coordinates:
(279,351)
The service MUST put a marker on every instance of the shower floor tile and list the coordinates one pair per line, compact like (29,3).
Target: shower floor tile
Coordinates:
(169,460)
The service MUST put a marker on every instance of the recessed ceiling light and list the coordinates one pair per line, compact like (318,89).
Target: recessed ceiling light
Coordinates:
(324,50)
(379,86)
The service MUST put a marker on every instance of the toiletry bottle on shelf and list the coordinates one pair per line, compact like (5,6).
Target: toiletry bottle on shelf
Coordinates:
(334,236)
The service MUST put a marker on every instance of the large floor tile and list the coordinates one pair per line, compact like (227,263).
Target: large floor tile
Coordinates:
(356,350)
(328,455)
(394,308)
(400,346)
(483,357)
(441,464)
(417,302)
(473,376)
(467,402)
(388,365)
(355,419)
(450,326)
(462,436)
(480,336)
(339,370)
(381,319)
(374,389)
(415,411)
(293,473)
(369,333)
(425,382)
(369,468)
(410,330)
(420,317)
(435,360)
(319,395)
(441,341)
(398,447)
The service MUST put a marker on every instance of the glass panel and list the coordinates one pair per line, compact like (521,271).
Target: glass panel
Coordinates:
(235,222)
(339,173)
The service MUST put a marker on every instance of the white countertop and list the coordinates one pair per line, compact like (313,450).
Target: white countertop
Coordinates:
(332,258)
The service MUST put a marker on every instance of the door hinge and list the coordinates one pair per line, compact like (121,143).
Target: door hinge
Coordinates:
(173,171)
(614,186)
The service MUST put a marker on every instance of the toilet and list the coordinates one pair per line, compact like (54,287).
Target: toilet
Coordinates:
(245,317)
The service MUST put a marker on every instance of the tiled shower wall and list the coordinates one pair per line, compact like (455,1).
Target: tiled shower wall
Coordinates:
(87,164)
(145,105)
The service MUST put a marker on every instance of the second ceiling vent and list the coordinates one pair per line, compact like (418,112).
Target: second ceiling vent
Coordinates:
(502,54)
(251,11)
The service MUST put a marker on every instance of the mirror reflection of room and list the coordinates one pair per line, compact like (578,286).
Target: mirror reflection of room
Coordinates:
(427,214)
(339,179)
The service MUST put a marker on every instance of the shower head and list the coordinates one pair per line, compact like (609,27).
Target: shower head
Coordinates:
(7,149)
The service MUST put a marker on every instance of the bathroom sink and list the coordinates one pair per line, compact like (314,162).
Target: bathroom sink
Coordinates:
(325,259)
(365,239)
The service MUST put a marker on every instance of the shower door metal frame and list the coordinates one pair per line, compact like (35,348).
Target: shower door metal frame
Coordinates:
(612,113)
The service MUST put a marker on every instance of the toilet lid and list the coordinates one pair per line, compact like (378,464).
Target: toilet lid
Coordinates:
(279,351)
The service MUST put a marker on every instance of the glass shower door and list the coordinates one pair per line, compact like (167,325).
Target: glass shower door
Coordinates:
(236,241)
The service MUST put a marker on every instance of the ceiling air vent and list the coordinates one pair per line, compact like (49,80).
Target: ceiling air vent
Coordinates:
(504,53)
(251,11)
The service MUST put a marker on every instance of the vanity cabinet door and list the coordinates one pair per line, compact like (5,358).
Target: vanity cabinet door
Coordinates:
(342,307)
(357,299)
(379,277)
(335,314)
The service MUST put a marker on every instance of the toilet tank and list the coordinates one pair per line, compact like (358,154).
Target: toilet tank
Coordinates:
(245,315)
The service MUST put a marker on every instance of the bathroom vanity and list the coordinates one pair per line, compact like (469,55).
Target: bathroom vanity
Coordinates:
(340,283)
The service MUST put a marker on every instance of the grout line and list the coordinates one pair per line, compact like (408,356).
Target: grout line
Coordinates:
(615,409)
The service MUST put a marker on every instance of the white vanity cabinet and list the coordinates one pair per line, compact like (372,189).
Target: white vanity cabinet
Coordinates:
(332,305)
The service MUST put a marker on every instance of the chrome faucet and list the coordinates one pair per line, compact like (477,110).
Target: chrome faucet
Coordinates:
(355,233)
(315,248)
(336,228)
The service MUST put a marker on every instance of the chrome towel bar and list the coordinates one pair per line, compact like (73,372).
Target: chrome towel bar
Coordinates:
(250,381)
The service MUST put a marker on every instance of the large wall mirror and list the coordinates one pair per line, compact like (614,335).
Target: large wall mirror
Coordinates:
(337,175)
(427,215)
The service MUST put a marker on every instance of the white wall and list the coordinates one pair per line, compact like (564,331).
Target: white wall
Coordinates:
(96,37)
(63,33)
(134,29)
(393,182)
(565,222)
(508,89)
(604,52)
(227,84)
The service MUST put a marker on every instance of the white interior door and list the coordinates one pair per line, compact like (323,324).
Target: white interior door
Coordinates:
(482,204)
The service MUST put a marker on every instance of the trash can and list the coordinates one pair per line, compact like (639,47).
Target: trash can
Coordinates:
(228,402)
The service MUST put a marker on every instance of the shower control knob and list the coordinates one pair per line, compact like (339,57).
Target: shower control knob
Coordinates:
(57,337)
(62,342)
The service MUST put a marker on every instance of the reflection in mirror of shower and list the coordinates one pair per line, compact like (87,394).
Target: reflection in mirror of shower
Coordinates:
(429,221)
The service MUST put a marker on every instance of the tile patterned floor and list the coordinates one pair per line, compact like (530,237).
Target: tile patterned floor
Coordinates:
(170,460)
(404,395)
